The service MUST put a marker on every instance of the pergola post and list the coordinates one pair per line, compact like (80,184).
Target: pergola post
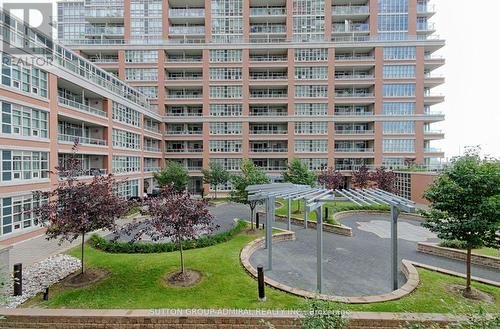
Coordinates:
(319,249)
(289,214)
(266,201)
(305,214)
(394,246)
(269,231)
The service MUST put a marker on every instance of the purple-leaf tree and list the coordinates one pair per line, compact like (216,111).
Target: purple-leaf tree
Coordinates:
(330,178)
(361,178)
(75,208)
(175,216)
(384,179)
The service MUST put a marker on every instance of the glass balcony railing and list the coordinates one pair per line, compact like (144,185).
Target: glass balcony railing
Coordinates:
(268,58)
(80,106)
(186,30)
(81,140)
(268,131)
(269,150)
(184,150)
(351,28)
(265,28)
(354,149)
(354,76)
(183,132)
(152,148)
(85,173)
(353,95)
(104,13)
(183,59)
(354,132)
(186,12)
(352,167)
(267,11)
(151,169)
(354,57)
(350,10)
(110,30)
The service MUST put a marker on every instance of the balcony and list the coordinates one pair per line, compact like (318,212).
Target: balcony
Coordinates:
(354,150)
(184,58)
(186,12)
(151,169)
(354,57)
(424,8)
(268,131)
(81,140)
(103,59)
(352,167)
(267,11)
(184,132)
(267,28)
(268,58)
(184,94)
(354,131)
(268,76)
(182,30)
(184,150)
(152,148)
(269,150)
(268,93)
(80,107)
(261,111)
(352,111)
(350,28)
(432,150)
(85,173)
(348,94)
(354,76)
(425,27)
(154,129)
(104,15)
(175,76)
(107,30)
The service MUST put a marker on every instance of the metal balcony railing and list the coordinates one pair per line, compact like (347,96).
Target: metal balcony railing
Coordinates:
(350,10)
(186,30)
(152,149)
(267,11)
(186,12)
(354,57)
(269,150)
(354,76)
(354,131)
(354,149)
(80,106)
(151,169)
(268,58)
(341,28)
(353,166)
(268,132)
(81,140)
(184,59)
(353,95)
(183,132)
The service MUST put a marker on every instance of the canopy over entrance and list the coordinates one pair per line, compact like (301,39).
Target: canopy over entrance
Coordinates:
(314,200)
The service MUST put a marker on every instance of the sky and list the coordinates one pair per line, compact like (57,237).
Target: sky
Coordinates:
(472,73)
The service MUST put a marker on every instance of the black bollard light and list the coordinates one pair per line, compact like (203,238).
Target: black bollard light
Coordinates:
(326,214)
(257,220)
(260,279)
(18,279)
(46,294)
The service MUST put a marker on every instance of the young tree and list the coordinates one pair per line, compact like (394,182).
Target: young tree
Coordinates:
(384,179)
(330,178)
(298,172)
(465,205)
(75,208)
(175,216)
(173,173)
(215,175)
(250,175)
(361,178)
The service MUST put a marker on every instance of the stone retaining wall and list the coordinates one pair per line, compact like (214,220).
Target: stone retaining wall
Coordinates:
(335,229)
(435,249)
(342,214)
(4,269)
(185,319)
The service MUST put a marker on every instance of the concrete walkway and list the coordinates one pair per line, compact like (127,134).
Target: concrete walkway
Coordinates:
(357,265)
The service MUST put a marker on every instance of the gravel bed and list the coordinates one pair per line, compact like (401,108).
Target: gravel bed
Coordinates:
(39,276)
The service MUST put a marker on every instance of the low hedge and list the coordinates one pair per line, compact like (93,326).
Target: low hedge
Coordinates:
(455,244)
(101,243)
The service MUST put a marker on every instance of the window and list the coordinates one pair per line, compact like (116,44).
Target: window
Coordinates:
(149,91)
(145,20)
(226,56)
(16,74)
(311,55)
(399,145)
(141,74)
(141,56)
(126,164)
(224,73)
(225,128)
(225,110)
(306,109)
(24,165)
(311,73)
(311,91)
(17,214)
(311,128)
(225,92)
(24,121)
(308,20)
(127,189)
(125,139)
(399,71)
(316,164)
(393,19)
(399,108)
(126,115)
(227,20)
(399,127)
(400,53)
(225,146)
(229,164)
(399,90)
(312,146)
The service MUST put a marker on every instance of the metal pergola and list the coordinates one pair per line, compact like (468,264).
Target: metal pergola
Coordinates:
(314,199)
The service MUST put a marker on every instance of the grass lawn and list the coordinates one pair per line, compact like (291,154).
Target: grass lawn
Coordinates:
(487,252)
(334,207)
(136,282)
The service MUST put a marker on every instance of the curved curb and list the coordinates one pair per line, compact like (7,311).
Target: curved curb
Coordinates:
(347,213)
(409,271)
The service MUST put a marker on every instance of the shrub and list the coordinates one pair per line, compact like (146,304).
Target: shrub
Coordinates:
(101,243)
(455,244)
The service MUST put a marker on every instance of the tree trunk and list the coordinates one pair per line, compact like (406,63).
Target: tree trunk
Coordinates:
(215,192)
(252,209)
(83,250)
(298,206)
(468,289)
(182,258)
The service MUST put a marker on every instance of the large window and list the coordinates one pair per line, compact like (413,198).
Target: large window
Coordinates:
(125,164)
(308,20)
(125,139)
(145,20)
(308,109)
(225,128)
(226,92)
(311,91)
(311,128)
(316,164)
(399,108)
(311,54)
(24,165)
(149,91)
(127,189)
(225,73)
(399,71)
(28,79)
(226,110)
(311,73)
(229,164)
(126,115)
(227,20)
(141,74)
(399,145)
(24,121)
(141,56)
(16,213)
(399,127)
(399,90)
(400,53)
(393,19)
(311,146)
(226,56)
(225,146)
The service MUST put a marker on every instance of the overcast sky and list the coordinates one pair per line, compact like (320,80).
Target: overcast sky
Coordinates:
(472,73)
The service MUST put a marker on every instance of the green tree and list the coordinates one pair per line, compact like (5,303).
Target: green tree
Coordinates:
(215,175)
(250,175)
(173,173)
(465,205)
(298,172)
